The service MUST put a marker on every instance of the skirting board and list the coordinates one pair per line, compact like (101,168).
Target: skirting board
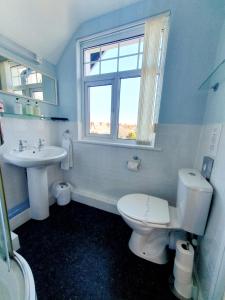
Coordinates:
(95,200)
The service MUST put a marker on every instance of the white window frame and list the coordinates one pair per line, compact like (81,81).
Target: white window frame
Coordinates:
(123,32)
(86,120)
(107,79)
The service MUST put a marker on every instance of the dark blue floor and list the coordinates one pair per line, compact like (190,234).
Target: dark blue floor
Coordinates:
(82,253)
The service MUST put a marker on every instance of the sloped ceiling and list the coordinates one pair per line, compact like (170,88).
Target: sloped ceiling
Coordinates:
(45,26)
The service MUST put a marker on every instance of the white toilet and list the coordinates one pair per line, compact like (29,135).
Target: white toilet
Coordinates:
(153,220)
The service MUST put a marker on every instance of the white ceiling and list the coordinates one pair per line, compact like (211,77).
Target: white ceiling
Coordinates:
(45,26)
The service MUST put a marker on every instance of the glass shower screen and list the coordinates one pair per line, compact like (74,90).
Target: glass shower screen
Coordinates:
(6,250)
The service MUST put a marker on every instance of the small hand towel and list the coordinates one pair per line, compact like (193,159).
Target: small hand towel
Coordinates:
(67,162)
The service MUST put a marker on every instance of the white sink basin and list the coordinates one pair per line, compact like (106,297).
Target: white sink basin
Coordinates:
(36,163)
(31,158)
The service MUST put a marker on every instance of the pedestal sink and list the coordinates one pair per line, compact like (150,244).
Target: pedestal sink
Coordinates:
(36,162)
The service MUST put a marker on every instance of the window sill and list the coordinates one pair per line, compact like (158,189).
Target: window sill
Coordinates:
(122,145)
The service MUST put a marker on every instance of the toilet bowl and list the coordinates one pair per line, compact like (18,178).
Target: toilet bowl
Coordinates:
(153,221)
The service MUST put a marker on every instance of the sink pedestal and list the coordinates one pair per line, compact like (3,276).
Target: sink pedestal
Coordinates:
(36,162)
(38,192)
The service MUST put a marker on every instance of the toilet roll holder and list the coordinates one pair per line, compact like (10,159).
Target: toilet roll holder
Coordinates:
(134,164)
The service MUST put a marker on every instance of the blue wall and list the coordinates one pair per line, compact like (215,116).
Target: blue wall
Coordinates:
(215,108)
(190,56)
(211,254)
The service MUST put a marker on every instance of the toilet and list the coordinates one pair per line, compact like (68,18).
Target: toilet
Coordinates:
(154,221)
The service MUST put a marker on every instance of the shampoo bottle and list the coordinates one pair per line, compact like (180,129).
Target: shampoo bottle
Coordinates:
(18,108)
(37,111)
(2,106)
(29,108)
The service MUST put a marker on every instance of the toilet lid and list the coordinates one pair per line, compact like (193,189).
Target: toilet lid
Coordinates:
(145,208)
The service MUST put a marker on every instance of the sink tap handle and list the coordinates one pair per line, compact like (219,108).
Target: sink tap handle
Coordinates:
(21,145)
(40,143)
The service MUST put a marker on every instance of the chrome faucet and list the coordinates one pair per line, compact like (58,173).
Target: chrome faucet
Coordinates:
(21,145)
(40,144)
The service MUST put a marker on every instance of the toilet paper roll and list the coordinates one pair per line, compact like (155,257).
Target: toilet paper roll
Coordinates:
(183,289)
(133,164)
(184,254)
(182,274)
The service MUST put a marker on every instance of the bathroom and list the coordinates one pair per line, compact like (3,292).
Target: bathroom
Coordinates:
(80,250)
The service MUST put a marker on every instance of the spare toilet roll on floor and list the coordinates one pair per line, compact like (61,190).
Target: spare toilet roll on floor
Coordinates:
(184,254)
(183,289)
(183,267)
(182,274)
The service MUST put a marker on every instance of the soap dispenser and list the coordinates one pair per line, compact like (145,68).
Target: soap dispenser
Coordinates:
(29,108)
(18,108)
(37,110)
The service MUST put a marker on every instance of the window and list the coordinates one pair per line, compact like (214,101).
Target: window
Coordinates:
(37,95)
(127,125)
(114,57)
(26,81)
(24,76)
(116,103)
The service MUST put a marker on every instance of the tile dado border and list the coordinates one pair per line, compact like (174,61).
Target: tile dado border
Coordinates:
(18,209)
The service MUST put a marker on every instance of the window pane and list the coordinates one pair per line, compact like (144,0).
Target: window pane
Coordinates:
(128,63)
(100,109)
(92,54)
(39,77)
(140,61)
(16,81)
(129,98)
(21,70)
(91,69)
(129,47)
(14,71)
(37,95)
(31,78)
(141,44)
(109,51)
(108,66)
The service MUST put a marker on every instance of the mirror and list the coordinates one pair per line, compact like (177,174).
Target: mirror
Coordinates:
(21,80)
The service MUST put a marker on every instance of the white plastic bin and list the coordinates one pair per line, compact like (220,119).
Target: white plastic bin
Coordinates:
(62,193)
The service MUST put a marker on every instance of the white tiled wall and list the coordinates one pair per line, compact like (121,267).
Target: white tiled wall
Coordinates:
(102,169)
(212,245)
(31,130)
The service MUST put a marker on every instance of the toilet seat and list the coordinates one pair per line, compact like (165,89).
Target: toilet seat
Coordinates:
(145,208)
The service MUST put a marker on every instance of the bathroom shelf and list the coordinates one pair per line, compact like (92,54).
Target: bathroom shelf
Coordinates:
(215,78)
(32,117)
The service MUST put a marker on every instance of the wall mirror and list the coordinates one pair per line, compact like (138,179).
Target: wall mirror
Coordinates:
(23,81)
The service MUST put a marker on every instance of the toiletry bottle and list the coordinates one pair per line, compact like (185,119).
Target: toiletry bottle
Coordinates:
(29,108)
(18,108)
(1,106)
(37,110)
